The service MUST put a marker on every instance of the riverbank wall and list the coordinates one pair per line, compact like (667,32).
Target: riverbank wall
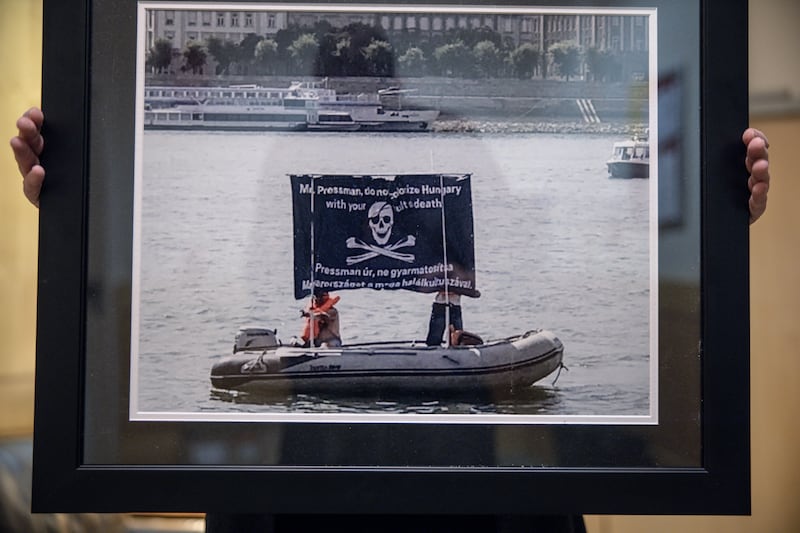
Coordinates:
(476,101)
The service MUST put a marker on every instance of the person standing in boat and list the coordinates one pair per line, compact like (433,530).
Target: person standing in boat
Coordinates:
(322,319)
(438,320)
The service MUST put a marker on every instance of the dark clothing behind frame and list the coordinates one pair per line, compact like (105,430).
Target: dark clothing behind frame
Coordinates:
(438,322)
(248,523)
(390,445)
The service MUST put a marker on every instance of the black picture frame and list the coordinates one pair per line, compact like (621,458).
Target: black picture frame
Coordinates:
(65,482)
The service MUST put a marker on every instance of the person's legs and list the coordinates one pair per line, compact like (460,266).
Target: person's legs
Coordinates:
(436,325)
(455,316)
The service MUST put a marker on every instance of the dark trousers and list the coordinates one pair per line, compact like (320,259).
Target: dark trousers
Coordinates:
(438,322)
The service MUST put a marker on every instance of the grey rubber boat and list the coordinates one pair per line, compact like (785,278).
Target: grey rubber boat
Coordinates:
(260,363)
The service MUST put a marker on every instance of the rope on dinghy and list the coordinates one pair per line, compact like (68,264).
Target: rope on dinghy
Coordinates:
(560,367)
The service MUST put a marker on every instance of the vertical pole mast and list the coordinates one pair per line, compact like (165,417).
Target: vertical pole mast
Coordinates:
(444,259)
(311,318)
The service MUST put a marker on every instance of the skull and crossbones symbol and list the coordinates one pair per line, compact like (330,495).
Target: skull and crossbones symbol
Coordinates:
(381,222)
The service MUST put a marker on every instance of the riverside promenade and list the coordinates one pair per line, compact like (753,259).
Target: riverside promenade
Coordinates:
(497,105)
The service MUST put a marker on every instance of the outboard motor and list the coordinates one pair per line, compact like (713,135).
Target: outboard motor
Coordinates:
(253,339)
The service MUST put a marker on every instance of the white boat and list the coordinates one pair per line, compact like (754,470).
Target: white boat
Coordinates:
(301,106)
(370,113)
(630,159)
(247,118)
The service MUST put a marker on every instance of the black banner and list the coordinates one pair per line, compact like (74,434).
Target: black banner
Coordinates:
(383,233)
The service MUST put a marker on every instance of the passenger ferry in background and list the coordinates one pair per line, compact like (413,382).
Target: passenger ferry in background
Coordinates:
(630,159)
(302,106)
(246,118)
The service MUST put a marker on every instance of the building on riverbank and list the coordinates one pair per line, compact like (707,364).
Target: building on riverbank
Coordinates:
(626,37)
(616,33)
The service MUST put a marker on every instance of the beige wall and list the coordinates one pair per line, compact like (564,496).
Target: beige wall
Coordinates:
(775,291)
(775,41)
(20,78)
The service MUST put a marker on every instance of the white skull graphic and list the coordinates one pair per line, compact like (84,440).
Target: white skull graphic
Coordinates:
(381,220)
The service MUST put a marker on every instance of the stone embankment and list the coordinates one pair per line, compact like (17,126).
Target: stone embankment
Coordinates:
(511,127)
(486,106)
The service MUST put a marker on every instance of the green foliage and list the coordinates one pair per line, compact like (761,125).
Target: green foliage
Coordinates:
(286,36)
(304,51)
(488,58)
(346,60)
(380,58)
(223,52)
(566,58)
(412,62)
(525,61)
(195,56)
(321,28)
(454,59)
(266,56)
(246,52)
(159,57)
(360,49)
(472,36)
(356,50)
(602,65)
(362,35)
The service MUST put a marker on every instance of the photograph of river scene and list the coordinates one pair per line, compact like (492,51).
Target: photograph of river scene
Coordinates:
(531,104)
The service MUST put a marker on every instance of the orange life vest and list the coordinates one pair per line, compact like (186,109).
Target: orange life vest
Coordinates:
(315,310)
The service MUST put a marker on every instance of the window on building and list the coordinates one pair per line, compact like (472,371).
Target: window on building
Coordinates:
(169,35)
(271,21)
(234,20)
(191,18)
(192,36)
(248,20)
(437,23)
(489,22)
(220,19)
(450,23)
(462,22)
(424,23)
(206,18)
(411,22)
(398,23)
(169,18)
(385,23)
(526,25)
(508,26)
(475,22)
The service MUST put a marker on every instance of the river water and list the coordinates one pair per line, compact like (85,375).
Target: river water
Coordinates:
(558,245)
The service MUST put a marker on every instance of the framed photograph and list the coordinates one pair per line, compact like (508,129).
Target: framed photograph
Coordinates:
(397,258)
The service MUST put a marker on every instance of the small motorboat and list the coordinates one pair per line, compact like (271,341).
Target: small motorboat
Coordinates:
(630,159)
(262,364)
